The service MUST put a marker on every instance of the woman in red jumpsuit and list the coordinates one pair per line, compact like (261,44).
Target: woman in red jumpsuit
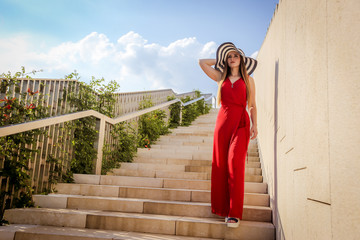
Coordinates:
(232,131)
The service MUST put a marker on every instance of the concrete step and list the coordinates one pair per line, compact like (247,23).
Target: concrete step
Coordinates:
(187,195)
(203,129)
(254,162)
(195,127)
(36,232)
(248,170)
(176,139)
(186,138)
(178,167)
(192,162)
(203,124)
(174,168)
(182,147)
(152,166)
(202,133)
(147,206)
(172,161)
(184,155)
(160,174)
(171,149)
(176,174)
(189,141)
(257,187)
(189,148)
(139,222)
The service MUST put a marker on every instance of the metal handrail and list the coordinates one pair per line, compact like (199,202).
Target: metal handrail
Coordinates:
(100,126)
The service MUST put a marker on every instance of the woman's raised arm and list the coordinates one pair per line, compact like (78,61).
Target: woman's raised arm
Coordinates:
(206,64)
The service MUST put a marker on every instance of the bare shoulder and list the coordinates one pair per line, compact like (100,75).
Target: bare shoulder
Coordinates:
(252,81)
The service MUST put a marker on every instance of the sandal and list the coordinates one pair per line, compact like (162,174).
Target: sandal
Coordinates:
(232,224)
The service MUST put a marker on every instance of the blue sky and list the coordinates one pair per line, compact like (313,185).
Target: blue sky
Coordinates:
(143,44)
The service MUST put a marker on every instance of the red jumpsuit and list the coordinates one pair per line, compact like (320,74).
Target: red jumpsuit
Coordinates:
(231,140)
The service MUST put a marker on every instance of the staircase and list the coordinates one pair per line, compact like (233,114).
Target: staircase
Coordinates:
(163,194)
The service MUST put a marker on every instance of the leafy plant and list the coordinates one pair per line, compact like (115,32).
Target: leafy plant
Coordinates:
(174,119)
(189,113)
(98,96)
(56,173)
(122,149)
(18,149)
(192,111)
(150,125)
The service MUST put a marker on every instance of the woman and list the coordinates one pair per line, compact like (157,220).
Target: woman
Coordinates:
(232,130)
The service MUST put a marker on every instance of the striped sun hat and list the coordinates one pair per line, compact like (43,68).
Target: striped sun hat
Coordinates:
(221,55)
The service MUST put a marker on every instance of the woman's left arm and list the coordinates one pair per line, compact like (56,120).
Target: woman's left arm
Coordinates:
(253,110)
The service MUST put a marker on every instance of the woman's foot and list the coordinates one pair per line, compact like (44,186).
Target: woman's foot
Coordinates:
(232,222)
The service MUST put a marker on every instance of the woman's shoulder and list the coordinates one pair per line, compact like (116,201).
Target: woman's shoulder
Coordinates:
(251,80)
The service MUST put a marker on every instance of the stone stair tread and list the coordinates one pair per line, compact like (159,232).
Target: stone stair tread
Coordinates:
(163,174)
(51,232)
(144,200)
(215,220)
(163,188)
(179,158)
(159,165)
(178,172)
(159,182)
(143,193)
(168,189)
(154,188)
(139,222)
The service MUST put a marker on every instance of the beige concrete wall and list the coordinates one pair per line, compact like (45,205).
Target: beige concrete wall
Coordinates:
(308,97)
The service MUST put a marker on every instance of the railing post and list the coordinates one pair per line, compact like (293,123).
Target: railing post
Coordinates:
(181,109)
(99,143)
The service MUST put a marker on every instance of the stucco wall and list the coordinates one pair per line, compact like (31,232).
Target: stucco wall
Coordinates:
(308,97)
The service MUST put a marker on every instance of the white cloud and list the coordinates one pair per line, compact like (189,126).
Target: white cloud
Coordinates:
(208,50)
(136,64)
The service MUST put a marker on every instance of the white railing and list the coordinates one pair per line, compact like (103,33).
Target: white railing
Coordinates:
(100,126)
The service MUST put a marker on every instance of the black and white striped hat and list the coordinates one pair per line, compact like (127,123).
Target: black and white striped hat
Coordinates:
(221,55)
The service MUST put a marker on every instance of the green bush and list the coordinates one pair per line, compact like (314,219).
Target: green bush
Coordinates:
(16,150)
(122,150)
(174,119)
(96,96)
(150,125)
(192,111)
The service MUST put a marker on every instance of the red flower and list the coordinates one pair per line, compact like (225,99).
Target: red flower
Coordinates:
(6,117)
(8,107)
(146,146)
(7,100)
(31,92)
(31,106)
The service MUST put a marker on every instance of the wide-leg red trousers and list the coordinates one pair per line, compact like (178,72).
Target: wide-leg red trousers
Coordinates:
(231,140)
